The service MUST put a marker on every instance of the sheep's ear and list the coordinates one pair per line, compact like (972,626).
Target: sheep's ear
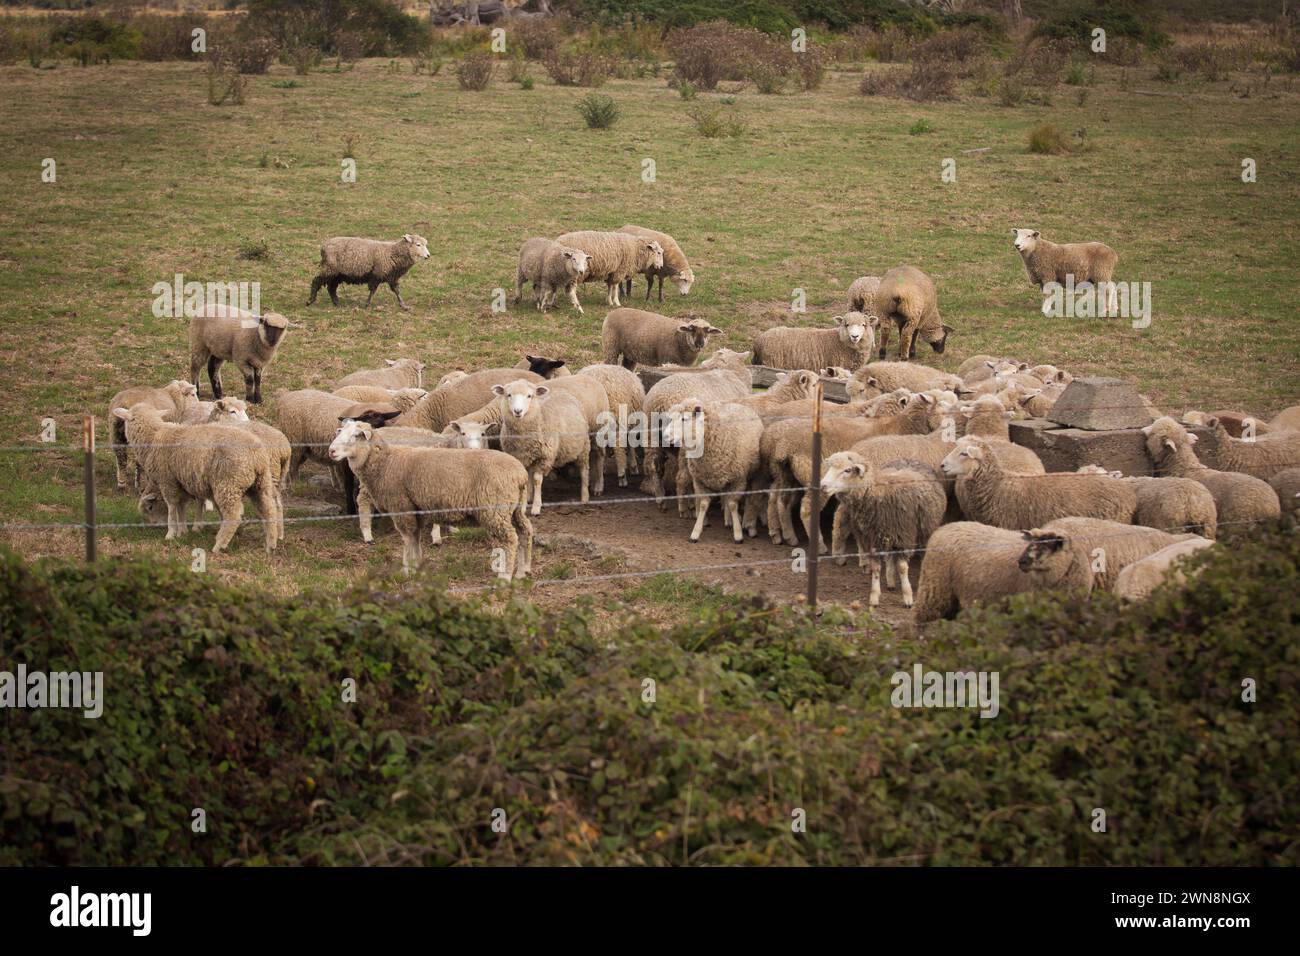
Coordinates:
(857,469)
(948,329)
(1169,443)
(1192,438)
(713,331)
(498,389)
(873,381)
(123,413)
(1034,233)
(389,362)
(408,237)
(543,390)
(1022,367)
(455,426)
(839,320)
(1211,421)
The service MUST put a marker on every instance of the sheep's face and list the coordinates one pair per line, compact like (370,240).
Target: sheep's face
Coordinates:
(697,333)
(684,279)
(153,508)
(938,338)
(1166,437)
(352,437)
(683,427)
(860,391)
(844,472)
(576,262)
(1025,241)
(181,390)
(655,252)
(1043,551)
(470,434)
(418,245)
(518,398)
(451,378)
(964,459)
(855,331)
(229,410)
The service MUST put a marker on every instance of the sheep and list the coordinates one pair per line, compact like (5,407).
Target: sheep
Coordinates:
(419,486)
(175,400)
(1238,498)
(1169,504)
(405,437)
(221,333)
(614,257)
(887,376)
(979,367)
(848,343)
(545,367)
(1048,262)
(455,375)
(594,401)
(1038,403)
(1287,486)
(1051,375)
(907,298)
(197,462)
(462,397)
(232,412)
(1083,553)
(836,373)
(1287,420)
(723,376)
(719,441)
(397,373)
(965,563)
(550,266)
(369,262)
(1237,424)
(891,511)
(989,493)
(1260,457)
(675,265)
(633,337)
(862,295)
(544,432)
(1138,580)
(626,395)
(401,398)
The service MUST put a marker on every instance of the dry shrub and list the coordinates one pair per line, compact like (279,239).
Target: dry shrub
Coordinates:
(924,83)
(226,83)
(538,38)
(890,45)
(474,71)
(578,69)
(253,55)
(1048,139)
(951,47)
(708,53)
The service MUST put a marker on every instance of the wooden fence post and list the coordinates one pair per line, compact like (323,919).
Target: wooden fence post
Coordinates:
(815,493)
(88,447)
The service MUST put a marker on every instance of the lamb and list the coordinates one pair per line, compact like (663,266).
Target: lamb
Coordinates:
(836,373)
(175,400)
(550,267)
(221,333)
(1169,504)
(965,563)
(675,265)
(1261,457)
(626,396)
(545,367)
(544,432)
(1048,262)
(1237,424)
(401,398)
(1287,486)
(614,257)
(848,343)
(979,367)
(1287,420)
(862,295)
(1082,553)
(369,262)
(1238,498)
(419,486)
(991,494)
(634,337)
(891,511)
(1038,402)
(197,462)
(594,402)
(1138,580)
(907,298)
(887,376)
(397,373)
(724,376)
(719,442)
(443,405)
(792,386)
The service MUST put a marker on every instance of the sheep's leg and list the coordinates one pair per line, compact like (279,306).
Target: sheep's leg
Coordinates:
(775,485)
(701,511)
(333,288)
(214,376)
(786,513)
(907,584)
(279,511)
(231,506)
(524,556)
(597,468)
(584,473)
(806,517)
(891,579)
(840,535)
(874,599)
(365,515)
(519,286)
(682,486)
(611,289)
(410,532)
(197,362)
(435,535)
(373,287)
(732,503)
(573,297)
(537,493)
(316,283)
(661,288)
(393,284)
(884,338)
(653,484)
(907,343)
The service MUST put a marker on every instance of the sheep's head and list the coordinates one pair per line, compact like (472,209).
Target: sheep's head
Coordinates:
(889,404)
(727,359)
(351,440)
(576,262)
(407,398)
(545,367)
(229,410)
(418,245)
(271,327)
(965,458)
(684,278)
(696,332)
(795,385)
(655,252)
(845,471)
(408,364)
(519,396)
(1098,470)
(1043,552)
(451,378)
(1165,437)
(938,338)
(836,373)
(1025,241)
(470,434)
(683,426)
(856,331)
(152,507)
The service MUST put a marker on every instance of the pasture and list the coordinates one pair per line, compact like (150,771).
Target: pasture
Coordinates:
(821,187)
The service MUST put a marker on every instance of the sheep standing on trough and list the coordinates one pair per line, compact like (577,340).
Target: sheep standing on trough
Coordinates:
(544,432)
(221,333)
(421,486)
(369,262)
(719,442)
(550,266)
(891,511)
(633,337)
(614,257)
(849,343)
(1048,262)
(675,265)
(1085,553)
(176,400)
(396,373)
(907,298)
(1238,498)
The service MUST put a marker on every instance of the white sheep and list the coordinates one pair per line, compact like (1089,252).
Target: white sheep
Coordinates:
(614,257)
(1048,262)
(370,262)
(396,373)
(967,563)
(1078,553)
(626,395)
(1137,581)
(848,343)
(907,298)
(675,265)
(176,400)
(550,266)
(1238,498)
(634,337)
(719,441)
(544,432)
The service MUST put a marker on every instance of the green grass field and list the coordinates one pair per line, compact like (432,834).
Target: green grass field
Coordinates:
(823,187)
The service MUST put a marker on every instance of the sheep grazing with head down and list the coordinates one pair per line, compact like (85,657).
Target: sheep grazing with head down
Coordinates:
(370,262)
(550,266)
(1048,262)
(396,373)
(848,342)
(634,337)
(614,257)
(221,334)
(891,511)
(675,266)
(908,299)
(1238,498)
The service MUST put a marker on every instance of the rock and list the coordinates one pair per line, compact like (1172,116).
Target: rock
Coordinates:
(1100,404)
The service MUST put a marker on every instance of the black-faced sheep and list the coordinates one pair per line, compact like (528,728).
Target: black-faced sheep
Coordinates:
(221,333)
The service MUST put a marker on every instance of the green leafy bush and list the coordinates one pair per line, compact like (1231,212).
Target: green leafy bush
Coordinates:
(598,112)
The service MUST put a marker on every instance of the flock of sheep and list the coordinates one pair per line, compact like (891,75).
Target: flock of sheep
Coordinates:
(917,461)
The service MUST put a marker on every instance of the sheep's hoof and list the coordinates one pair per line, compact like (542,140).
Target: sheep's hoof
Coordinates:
(908,604)
(840,562)
(693,539)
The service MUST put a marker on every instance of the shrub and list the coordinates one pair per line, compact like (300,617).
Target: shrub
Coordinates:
(251,56)
(1074,25)
(369,27)
(253,249)
(518,69)
(1048,139)
(304,59)
(526,83)
(168,37)
(927,82)
(95,40)
(580,69)
(598,112)
(225,83)
(474,70)
(686,90)
(712,120)
(708,53)
(921,126)
(537,38)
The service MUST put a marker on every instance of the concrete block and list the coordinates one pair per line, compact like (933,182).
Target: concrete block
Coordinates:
(1100,404)
(1065,449)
